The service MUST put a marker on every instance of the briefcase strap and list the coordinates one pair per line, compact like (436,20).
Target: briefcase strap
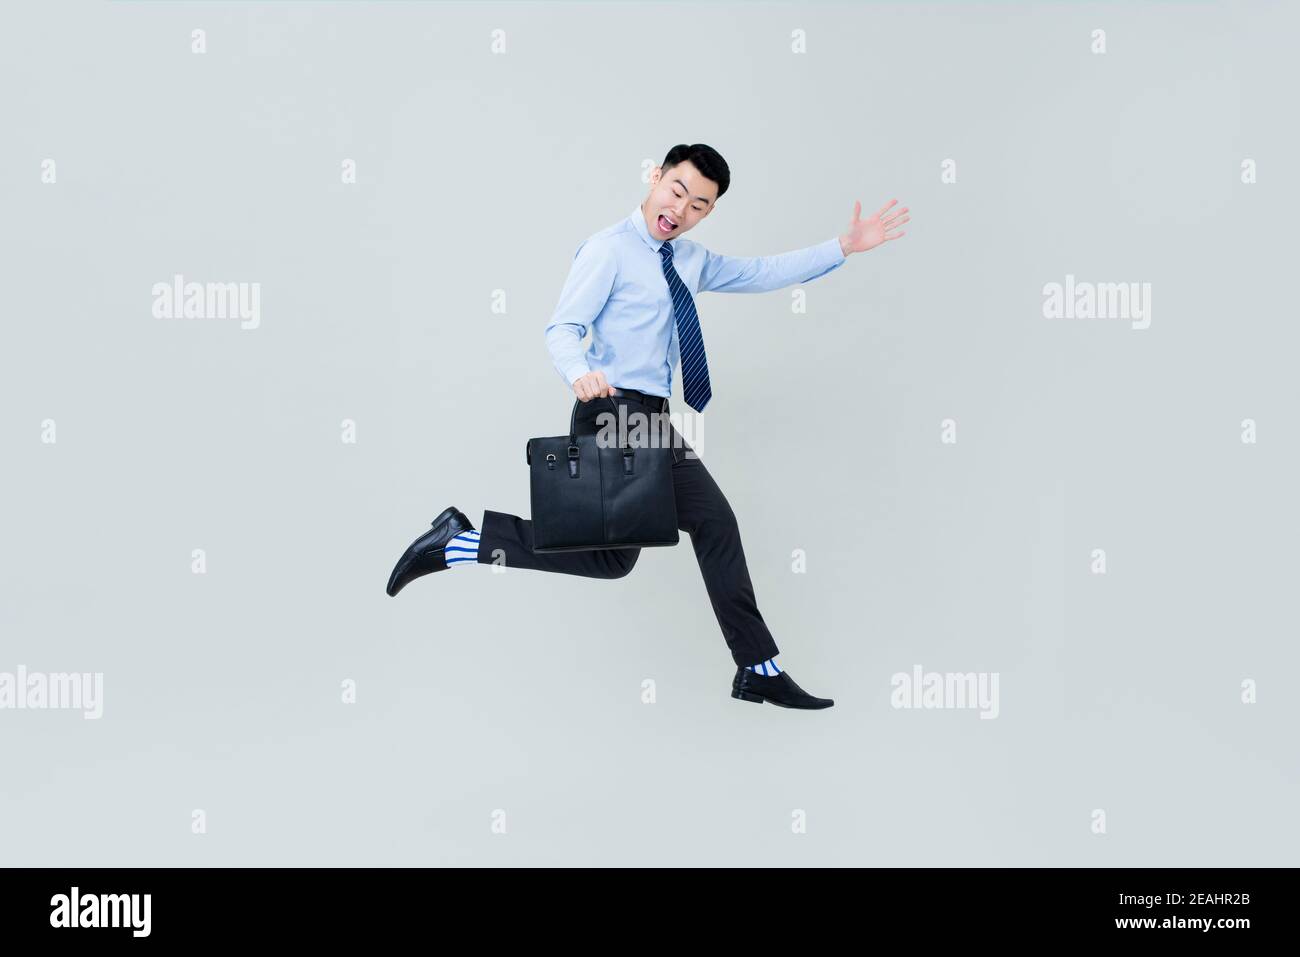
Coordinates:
(628,453)
(573,418)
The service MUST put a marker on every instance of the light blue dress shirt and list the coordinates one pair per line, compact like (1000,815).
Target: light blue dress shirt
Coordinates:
(616,286)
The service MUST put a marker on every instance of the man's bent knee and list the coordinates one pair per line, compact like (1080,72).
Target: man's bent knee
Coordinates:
(621,563)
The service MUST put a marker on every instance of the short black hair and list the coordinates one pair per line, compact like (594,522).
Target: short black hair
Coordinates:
(705,159)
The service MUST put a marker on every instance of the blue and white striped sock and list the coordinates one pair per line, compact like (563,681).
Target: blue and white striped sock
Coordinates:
(462,549)
(768,668)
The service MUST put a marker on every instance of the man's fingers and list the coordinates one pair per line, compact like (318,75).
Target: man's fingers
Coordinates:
(892,202)
(857,210)
(592,386)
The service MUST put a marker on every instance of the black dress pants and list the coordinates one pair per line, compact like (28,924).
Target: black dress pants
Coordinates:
(702,512)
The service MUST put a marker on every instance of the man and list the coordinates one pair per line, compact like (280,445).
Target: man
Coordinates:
(634,284)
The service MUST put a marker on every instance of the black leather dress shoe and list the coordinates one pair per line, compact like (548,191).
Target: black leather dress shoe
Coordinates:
(425,554)
(774,689)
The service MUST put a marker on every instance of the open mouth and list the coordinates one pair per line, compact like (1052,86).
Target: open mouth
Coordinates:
(665,224)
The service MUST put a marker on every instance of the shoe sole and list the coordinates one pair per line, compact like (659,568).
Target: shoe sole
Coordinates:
(759,699)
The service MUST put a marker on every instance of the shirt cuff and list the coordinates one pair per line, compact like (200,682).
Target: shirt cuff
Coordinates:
(575,372)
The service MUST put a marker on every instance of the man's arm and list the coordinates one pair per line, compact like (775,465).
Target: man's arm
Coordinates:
(765,273)
(591,277)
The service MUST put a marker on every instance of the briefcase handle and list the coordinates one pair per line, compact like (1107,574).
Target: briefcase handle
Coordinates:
(628,453)
(573,423)
(573,441)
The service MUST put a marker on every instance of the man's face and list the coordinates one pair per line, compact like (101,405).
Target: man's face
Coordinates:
(679,198)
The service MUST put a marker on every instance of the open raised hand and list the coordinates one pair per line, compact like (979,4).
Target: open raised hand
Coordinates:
(864,234)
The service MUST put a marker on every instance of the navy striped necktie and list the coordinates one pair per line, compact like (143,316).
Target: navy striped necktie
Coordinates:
(690,341)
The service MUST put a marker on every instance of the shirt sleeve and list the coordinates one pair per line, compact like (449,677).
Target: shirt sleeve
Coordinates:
(765,273)
(591,278)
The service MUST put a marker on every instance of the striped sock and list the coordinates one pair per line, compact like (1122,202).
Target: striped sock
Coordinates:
(462,550)
(768,668)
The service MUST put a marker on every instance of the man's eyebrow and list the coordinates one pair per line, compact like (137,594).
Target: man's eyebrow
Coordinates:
(683,186)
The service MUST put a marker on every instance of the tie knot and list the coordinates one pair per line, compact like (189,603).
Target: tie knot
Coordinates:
(666,251)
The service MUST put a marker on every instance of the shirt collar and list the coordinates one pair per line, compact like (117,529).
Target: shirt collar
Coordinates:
(638,220)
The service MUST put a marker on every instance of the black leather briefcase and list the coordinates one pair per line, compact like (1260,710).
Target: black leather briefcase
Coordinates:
(585,497)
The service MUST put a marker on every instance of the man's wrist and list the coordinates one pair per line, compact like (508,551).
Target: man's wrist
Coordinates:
(844,247)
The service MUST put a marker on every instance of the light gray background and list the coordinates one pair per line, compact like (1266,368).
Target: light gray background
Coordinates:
(521,691)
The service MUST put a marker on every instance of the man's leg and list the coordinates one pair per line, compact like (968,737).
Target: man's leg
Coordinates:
(508,540)
(703,512)
(452,542)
